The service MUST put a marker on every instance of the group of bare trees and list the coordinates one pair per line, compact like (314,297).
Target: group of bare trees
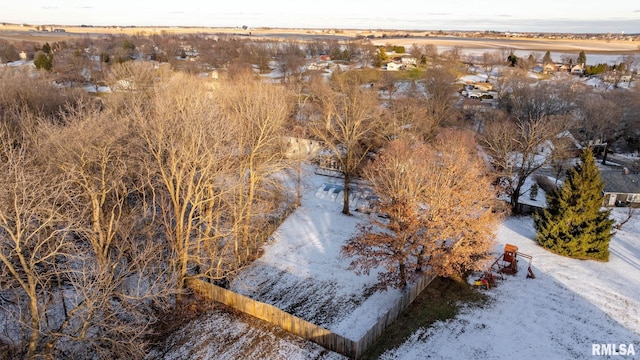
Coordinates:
(542,123)
(90,59)
(108,207)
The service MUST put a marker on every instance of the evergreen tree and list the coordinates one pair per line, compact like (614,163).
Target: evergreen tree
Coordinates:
(533,191)
(547,58)
(46,48)
(582,58)
(573,224)
(381,57)
(43,60)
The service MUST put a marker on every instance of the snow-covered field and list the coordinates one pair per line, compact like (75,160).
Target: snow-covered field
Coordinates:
(571,304)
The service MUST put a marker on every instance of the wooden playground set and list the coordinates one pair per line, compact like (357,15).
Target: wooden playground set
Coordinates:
(507,263)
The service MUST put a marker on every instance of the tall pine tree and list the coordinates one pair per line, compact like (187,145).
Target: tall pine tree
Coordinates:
(573,223)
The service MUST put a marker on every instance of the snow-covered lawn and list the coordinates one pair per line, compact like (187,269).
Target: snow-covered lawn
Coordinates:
(228,335)
(571,304)
(303,273)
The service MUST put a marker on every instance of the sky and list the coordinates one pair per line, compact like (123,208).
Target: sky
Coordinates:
(496,15)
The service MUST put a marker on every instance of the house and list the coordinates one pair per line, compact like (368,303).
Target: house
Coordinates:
(408,60)
(318,66)
(622,187)
(484,86)
(392,66)
(300,148)
(553,68)
(476,105)
(577,69)
(549,68)
(616,77)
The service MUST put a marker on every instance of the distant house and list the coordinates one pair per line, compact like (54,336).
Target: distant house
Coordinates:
(553,68)
(300,148)
(392,66)
(616,77)
(484,86)
(622,188)
(59,30)
(577,69)
(318,66)
(549,68)
(476,105)
(409,60)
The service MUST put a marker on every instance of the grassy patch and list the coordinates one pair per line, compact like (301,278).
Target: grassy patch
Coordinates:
(441,300)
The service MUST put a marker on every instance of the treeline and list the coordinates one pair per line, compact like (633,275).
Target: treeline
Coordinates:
(89,59)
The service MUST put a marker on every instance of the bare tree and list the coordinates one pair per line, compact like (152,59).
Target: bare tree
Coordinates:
(598,118)
(188,148)
(350,117)
(259,112)
(8,52)
(33,238)
(70,65)
(439,100)
(522,141)
(261,54)
(490,60)
(417,52)
(405,117)
(290,59)
(92,149)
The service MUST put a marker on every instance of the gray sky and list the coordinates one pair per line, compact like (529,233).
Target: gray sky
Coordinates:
(499,15)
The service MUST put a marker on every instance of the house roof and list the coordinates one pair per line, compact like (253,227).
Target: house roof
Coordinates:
(620,183)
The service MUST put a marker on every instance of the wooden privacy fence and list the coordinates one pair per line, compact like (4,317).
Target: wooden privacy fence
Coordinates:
(309,331)
(407,298)
(272,314)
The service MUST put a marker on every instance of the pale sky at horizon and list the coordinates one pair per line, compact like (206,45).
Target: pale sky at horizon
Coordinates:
(498,15)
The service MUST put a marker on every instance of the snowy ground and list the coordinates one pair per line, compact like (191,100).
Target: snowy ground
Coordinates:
(559,315)
(571,305)
(226,335)
(303,273)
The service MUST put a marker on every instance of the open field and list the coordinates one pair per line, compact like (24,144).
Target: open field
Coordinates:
(30,33)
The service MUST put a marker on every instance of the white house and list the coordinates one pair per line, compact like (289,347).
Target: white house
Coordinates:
(578,69)
(392,66)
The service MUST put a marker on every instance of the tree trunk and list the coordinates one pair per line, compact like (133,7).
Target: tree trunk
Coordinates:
(345,200)
(299,184)
(514,200)
(35,325)
(403,276)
